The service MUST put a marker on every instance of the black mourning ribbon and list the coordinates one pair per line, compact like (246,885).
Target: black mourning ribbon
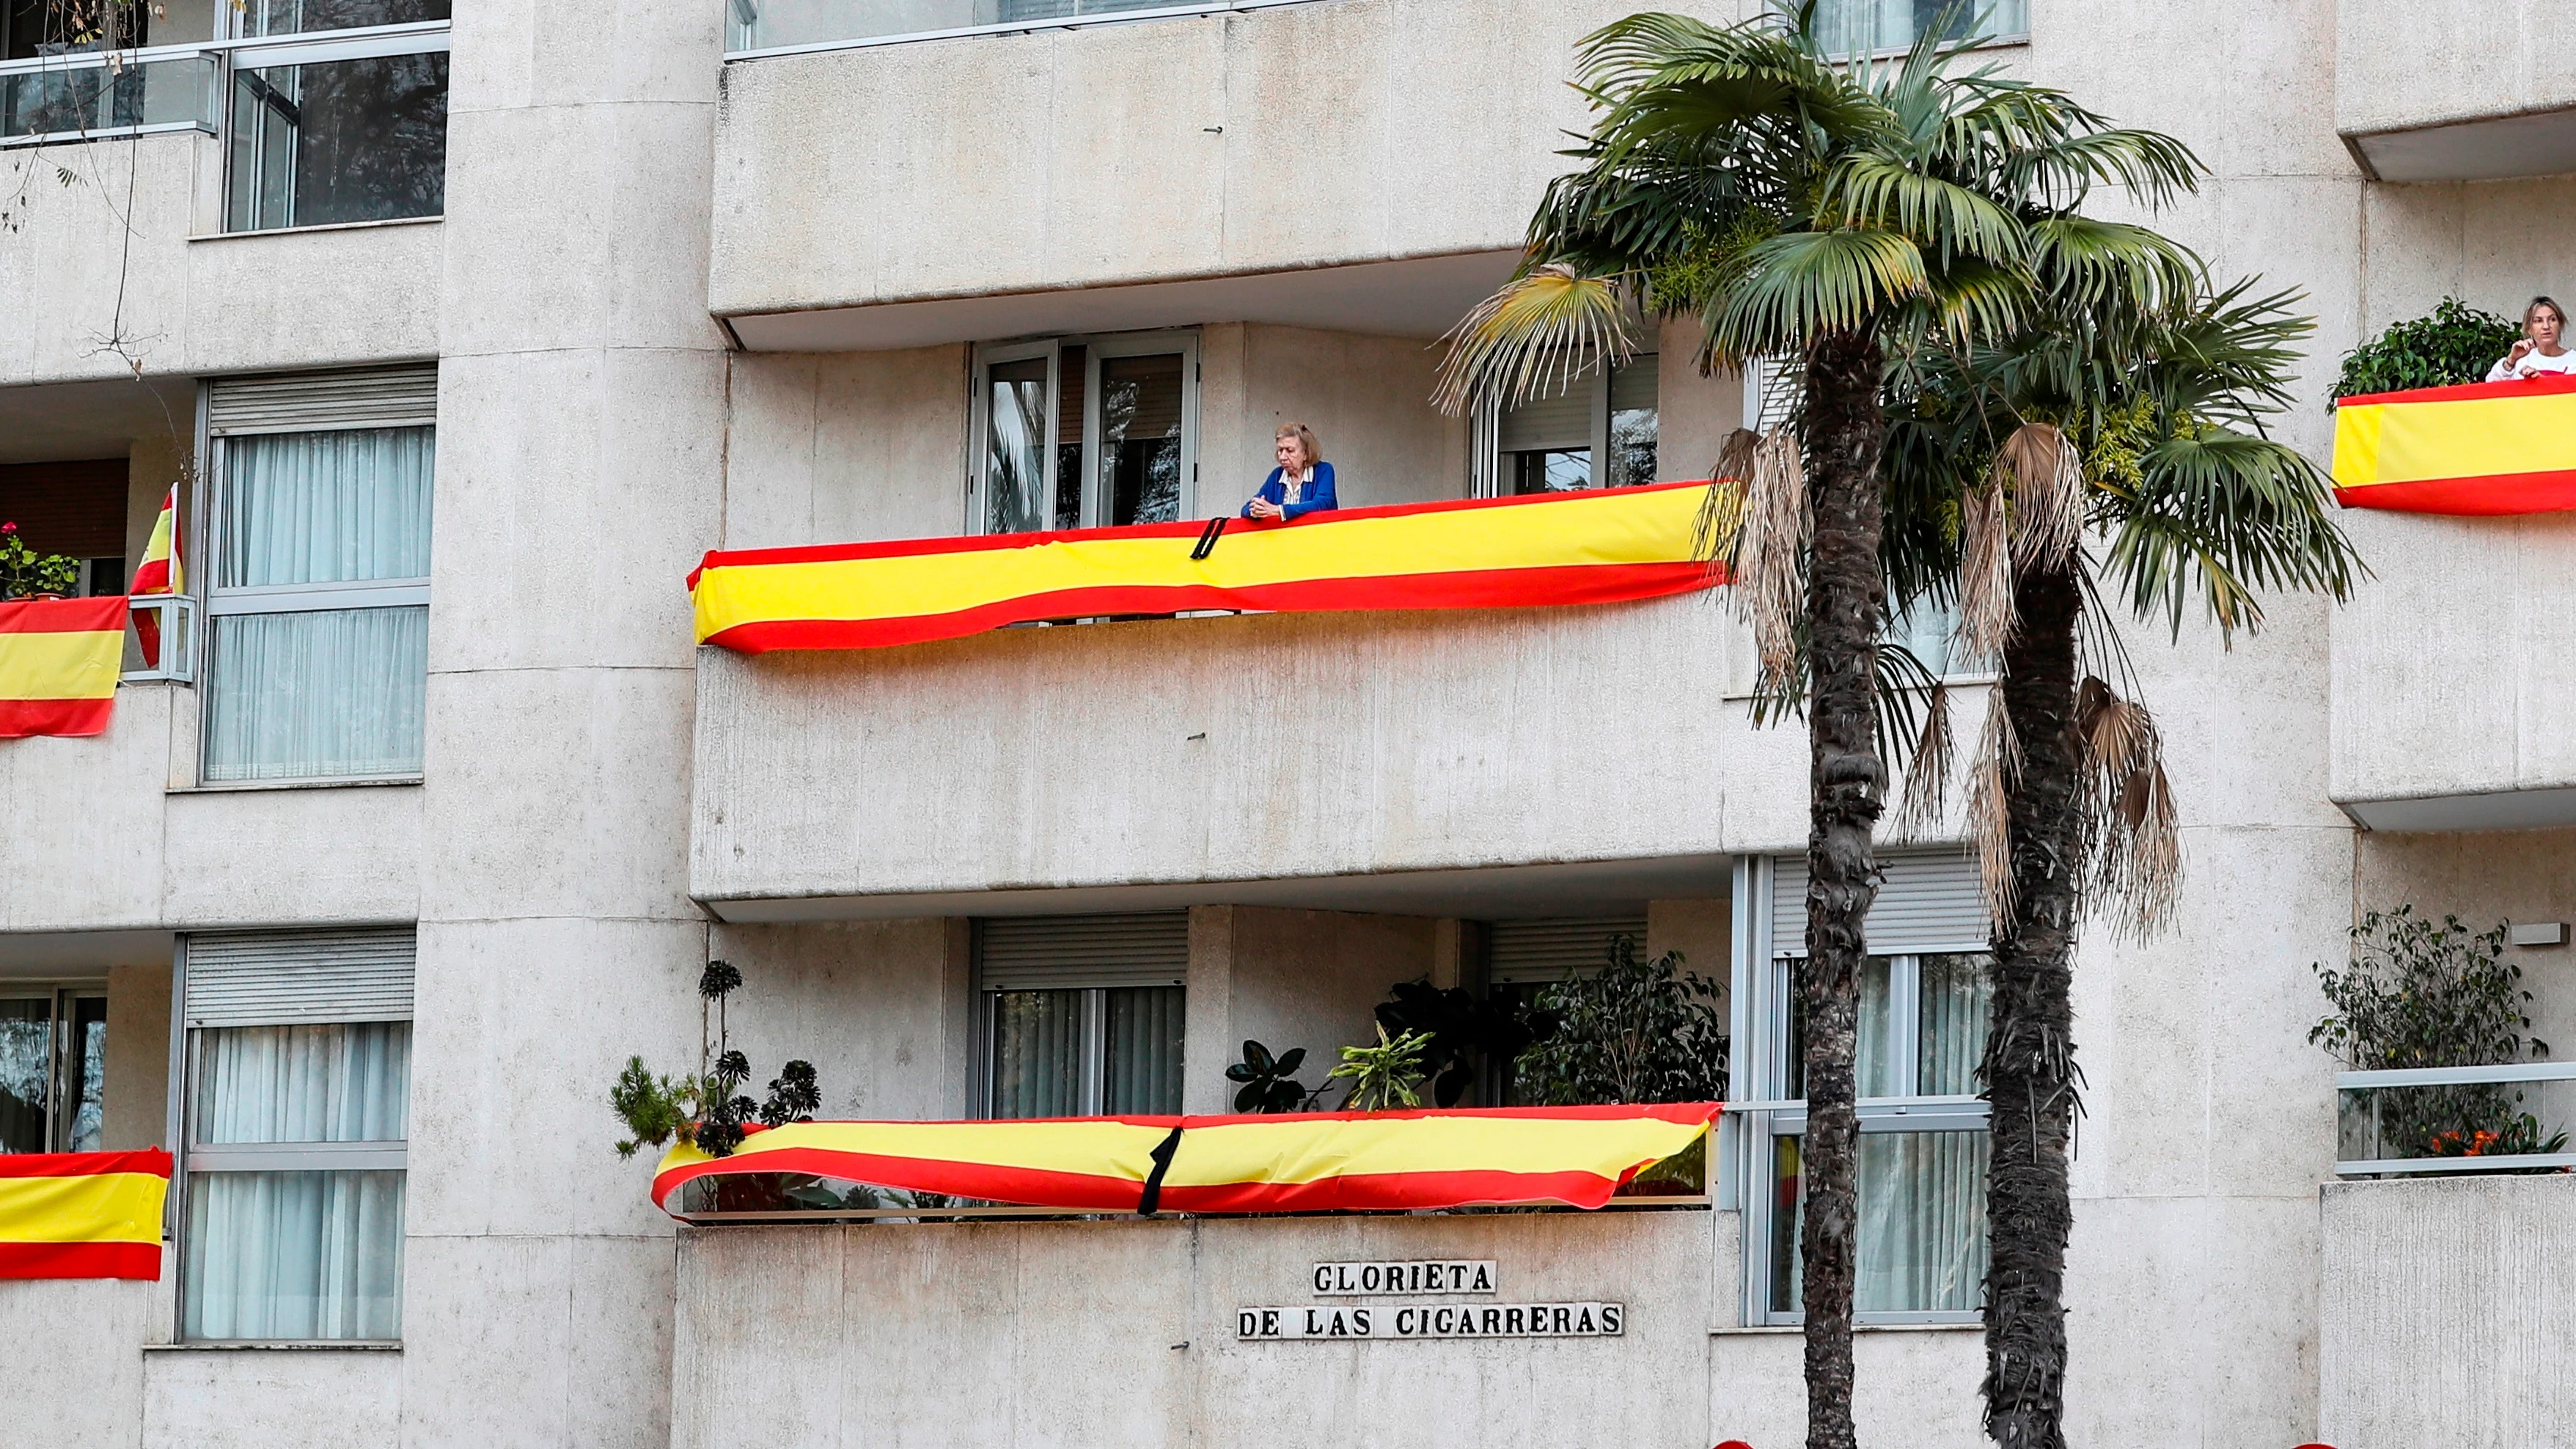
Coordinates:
(1162,1155)
(1208,536)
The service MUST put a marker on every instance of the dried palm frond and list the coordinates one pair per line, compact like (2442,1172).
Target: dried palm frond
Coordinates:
(1997,761)
(1927,773)
(1769,561)
(2047,477)
(1720,524)
(1986,613)
(2132,842)
(1536,336)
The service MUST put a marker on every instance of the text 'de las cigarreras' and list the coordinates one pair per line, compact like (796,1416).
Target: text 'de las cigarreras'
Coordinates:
(1433,1320)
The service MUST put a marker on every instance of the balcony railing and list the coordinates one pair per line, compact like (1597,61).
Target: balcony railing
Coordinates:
(783,27)
(2512,1118)
(122,93)
(169,621)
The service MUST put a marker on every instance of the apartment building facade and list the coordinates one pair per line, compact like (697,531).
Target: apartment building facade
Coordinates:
(464,330)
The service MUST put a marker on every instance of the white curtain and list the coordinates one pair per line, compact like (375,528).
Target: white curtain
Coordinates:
(1037,1054)
(1922,1222)
(1040,1040)
(1142,1058)
(326,692)
(298,1254)
(316,508)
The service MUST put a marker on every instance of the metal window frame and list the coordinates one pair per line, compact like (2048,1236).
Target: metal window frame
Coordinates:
(1486,430)
(209,118)
(1094,503)
(2506,1074)
(1758,1008)
(191,1157)
(57,995)
(266,52)
(747,13)
(222,601)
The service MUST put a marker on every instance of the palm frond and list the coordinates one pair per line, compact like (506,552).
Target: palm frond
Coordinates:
(2047,480)
(1807,284)
(1992,767)
(1537,335)
(2218,515)
(1768,566)
(1986,607)
(2130,829)
(1884,193)
(1927,772)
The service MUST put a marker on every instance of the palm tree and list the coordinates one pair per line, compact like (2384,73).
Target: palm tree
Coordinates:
(1809,211)
(2136,418)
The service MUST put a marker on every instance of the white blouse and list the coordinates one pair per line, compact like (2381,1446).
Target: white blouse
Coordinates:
(2506,370)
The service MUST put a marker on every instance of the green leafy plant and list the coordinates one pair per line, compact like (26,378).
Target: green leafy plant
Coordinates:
(2417,994)
(25,573)
(1269,1083)
(709,1110)
(654,1109)
(1386,1076)
(1467,1032)
(2457,343)
(1640,1031)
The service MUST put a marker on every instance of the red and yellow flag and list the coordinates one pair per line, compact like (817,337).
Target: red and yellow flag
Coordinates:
(2487,448)
(82,1214)
(1295,1162)
(160,573)
(1555,548)
(59,662)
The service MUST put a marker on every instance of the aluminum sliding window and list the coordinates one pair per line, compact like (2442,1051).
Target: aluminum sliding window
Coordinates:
(1923,1146)
(318,591)
(1082,1015)
(337,115)
(1601,431)
(53,1067)
(1876,27)
(298,1062)
(1084,432)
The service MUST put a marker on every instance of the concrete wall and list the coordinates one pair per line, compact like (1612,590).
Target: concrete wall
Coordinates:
(1307,135)
(882,1008)
(2485,877)
(1368,399)
(135,1097)
(2449,1313)
(1289,979)
(2400,64)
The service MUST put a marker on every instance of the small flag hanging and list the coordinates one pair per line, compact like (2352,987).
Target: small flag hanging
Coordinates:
(161,572)
(82,1214)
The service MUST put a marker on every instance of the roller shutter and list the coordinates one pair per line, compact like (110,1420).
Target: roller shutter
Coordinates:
(288,978)
(1927,901)
(1554,949)
(384,397)
(1041,953)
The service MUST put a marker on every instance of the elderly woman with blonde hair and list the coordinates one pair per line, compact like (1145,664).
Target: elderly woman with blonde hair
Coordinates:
(1301,484)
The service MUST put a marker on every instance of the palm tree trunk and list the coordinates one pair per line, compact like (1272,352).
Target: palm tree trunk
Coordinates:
(2030,1049)
(1846,592)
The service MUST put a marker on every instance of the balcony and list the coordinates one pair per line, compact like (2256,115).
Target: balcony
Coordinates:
(2454,90)
(1191,168)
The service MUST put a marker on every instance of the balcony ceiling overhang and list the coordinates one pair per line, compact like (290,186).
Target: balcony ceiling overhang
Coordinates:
(62,421)
(2498,810)
(1516,892)
(2538,143)
(1413,297)
(54,955)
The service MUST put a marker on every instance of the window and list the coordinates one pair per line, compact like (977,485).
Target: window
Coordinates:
(318,591)
(1867,27)
(1085,433)
(53,1067)
(1554,444)
(1082,1014)
(298,1091)
(1922,1165)
(330,128)
(761,25)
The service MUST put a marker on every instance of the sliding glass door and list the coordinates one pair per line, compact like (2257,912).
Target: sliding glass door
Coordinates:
(1092,432)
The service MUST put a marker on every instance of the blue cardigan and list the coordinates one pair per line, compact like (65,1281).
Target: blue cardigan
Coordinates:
(1317,496)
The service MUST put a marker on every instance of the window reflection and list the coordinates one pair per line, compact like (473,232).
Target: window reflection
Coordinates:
(339,141)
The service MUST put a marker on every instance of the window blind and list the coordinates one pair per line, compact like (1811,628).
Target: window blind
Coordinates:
(1633,388)
(274,978)
(1046,953)
(1548,423)
(1927,901)
(1556,948)
(313,402)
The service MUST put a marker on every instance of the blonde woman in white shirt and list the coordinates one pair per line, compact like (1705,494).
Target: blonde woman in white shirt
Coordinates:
(2538,353)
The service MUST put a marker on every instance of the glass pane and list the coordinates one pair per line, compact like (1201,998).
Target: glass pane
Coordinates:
(1856,27)
(323,508)
(1140,438)
(1560,471)
(1925,627)
(339,141)
(26,1072)
(294,1255)
(1037,1054)
(771,23)
(1873,1052)
(1958,999)
(1071,380)
(326,693)
(336,1082)
(1634,424)
(1141,1059)
(86,1072)
(289,17)
(1015,432)
(55,101)
(1922,1223)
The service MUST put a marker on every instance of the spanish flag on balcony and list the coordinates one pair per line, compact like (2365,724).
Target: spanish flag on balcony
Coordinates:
(59,661)
(1290,1163)
(2486,448)
(1556,548)
(82,1214)
(159,573)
